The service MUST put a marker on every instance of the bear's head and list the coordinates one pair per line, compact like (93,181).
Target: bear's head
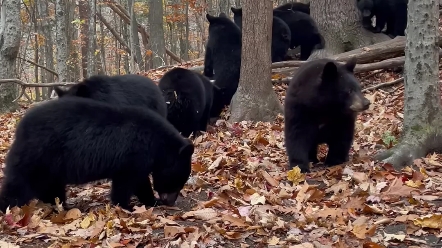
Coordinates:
(85,88)
(218,22)
(171,177)
(340,89)
(236,11)
(366,7)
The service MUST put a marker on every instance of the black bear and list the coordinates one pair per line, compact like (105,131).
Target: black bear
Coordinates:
(131,90)
(189,100)
(321,105)
(393,13)
(302,7)
(281,35)
(76,140)
(304,31)
(222,60)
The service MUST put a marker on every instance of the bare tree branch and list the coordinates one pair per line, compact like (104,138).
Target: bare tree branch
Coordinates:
(38,65)
(24,85)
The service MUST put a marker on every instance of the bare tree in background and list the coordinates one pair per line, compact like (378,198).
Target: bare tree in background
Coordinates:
(255,99)
(10,35)
(157,42)
(422,132)
(91,58)
(61,40)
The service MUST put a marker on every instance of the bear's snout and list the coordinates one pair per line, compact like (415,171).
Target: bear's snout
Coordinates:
(359,103)
(169,199)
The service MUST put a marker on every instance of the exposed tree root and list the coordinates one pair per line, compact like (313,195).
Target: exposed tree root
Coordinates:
(414,145)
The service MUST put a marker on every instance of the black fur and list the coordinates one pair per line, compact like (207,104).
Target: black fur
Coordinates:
(77,140)
(130,90)
(302,7)
(223,60)
(281,35)
(188,98)
(321,105)
(392,13)
(303,30)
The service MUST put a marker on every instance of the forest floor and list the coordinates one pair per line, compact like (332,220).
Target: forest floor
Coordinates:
(240,194)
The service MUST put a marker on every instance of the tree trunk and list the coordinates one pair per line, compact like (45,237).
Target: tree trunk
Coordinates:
(255,99)
(157,42)
(134,39)
(422,132)
(36,49)
(42,7)
(10,35)
(61,40)
(224,7)
(83,9)
(103,70)
(339,22)
(91,58)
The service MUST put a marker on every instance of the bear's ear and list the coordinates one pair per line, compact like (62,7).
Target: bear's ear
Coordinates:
(82,90)
(330,70)
(351,64)
(59,91)
(236,10)
(210,18)
(187,149)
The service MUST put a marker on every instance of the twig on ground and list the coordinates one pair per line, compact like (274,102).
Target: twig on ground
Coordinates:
(399,80)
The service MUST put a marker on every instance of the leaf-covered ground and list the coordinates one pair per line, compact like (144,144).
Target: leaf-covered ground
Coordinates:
(240,194)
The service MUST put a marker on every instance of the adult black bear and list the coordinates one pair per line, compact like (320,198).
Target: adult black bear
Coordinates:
(223,56)
(304,31)
(321,105)
(131,90)
(77,140)
(188,98)
(281,35)
(302,7)
(390,12)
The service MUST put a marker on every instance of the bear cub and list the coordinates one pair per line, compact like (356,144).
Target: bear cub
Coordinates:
(321,105)
(130,90)
(189,100)
(304,31)
(76,140)
(223,56)
(392,13)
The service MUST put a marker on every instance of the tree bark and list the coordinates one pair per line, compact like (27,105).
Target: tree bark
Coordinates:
(42,7)
(9,46)
(255,99)
(61,40)
(91,58)
(83,9)
(157,42)
(134,39)
(422,132)
(339,22)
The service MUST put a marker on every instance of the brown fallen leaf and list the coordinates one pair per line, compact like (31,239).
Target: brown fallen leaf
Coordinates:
(234,221)
(202,214)
(172,231)
(433,221)
(73,214)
